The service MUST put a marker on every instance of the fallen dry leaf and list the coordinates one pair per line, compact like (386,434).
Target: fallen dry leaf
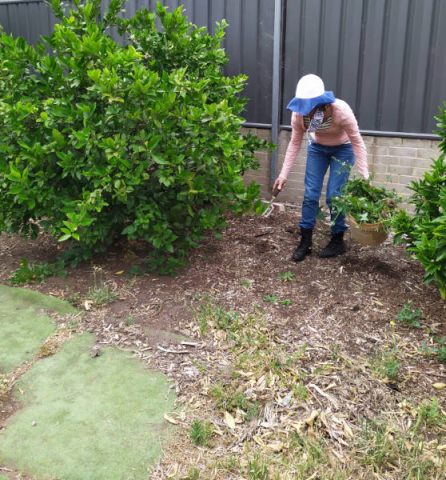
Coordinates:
(348,431)
(439,386)
(310,420)
(171,419)
(275,447)
(172,471)
(229,420)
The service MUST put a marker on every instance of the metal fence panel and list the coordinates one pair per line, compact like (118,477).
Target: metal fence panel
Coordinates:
(384,57)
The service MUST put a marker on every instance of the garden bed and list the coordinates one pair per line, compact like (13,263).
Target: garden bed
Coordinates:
(296,361)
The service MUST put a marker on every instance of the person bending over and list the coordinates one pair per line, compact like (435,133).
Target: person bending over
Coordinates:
(334,143)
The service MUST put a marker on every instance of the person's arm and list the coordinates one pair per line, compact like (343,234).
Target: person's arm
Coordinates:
(291,152)
(359,149)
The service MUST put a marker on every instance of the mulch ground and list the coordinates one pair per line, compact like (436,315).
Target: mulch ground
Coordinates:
(339,309)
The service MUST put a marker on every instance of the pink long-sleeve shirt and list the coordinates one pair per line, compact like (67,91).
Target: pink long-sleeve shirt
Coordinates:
(343,128)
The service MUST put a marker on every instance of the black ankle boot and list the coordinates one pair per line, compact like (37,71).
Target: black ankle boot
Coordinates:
(335,247)
(304,247)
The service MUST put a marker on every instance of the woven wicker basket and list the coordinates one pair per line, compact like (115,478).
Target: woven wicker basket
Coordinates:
(369,234)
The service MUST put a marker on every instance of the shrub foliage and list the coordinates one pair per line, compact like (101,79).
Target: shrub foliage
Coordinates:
(426,230)
(100,140)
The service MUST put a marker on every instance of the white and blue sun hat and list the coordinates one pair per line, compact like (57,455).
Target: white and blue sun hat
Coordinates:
(310,93)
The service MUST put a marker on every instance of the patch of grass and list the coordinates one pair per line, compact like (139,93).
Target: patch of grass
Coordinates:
(300,391)
(245,283)
(439,351)
(385,363)
(286,302)
(36,272)
(72,325)
(129,321)
(374,446)
(73,298)
(257,468)
(100,294)
(193,474)
(408,316)
(287,276)
(382,449)
(201,432)
(429,414)
(227,399)
(334,352)
(271,298)
(216,316)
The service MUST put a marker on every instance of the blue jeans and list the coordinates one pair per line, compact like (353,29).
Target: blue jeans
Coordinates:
(319,158)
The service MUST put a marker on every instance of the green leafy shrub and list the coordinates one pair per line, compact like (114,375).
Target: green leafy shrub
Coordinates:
(100,140)
(425,231)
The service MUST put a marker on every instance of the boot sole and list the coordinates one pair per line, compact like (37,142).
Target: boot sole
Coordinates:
(332,256)
(300,259)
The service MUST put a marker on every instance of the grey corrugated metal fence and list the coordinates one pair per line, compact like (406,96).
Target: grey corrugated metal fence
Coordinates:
(384,57)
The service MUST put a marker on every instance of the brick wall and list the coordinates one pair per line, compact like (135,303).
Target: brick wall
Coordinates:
(395,161)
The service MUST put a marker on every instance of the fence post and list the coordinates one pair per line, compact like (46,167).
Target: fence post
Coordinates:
(276,91)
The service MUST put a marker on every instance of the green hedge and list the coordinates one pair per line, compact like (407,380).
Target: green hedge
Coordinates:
(100,140)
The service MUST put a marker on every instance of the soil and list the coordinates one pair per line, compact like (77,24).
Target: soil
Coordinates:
(348,303)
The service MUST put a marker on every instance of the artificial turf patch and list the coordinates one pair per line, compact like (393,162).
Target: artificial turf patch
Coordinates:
(85,417)
(23,324)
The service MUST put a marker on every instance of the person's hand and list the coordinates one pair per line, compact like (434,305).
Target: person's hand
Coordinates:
(280,183)
(367,181)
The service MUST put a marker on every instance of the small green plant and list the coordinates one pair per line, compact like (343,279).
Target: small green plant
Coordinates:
(100,294)
(245,283)
(36,272)
(386,363)
(408,316)
(227,400)
(72,325)
(226,320)
(439,351)
(287,276)
(201,432)
(73,298)
(271,298)
(286,302)
(129,321)
(334,352)
(429,414)
(300,390)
